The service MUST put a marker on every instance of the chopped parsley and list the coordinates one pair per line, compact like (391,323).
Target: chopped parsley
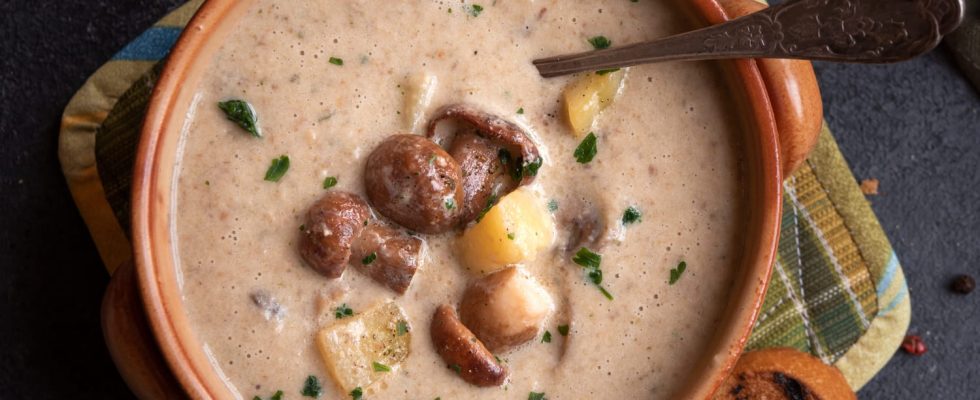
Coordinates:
(277,169)
(337,61)
(241,113)
(536,396)
(357,393)
(312,387)
(343,311)
(520,110)
(606,71)
(586,150)
(450,204)
(632,215)
(591,262)
(531,168)
(402,327)
(456,368)
(675,273)
(600,42)
(552,205)
(490,203)
(368,259)
(473,10)
(510,235)
(379,367)
(277,396)
(563,330)
(330,182)
(546,338)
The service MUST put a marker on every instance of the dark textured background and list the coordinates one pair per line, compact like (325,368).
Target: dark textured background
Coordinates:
(915,126)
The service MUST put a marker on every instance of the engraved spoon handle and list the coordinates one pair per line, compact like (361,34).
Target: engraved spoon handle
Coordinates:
(862,31)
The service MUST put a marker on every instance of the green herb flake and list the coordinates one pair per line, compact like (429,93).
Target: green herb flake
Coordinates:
(343,311)
(369,258)
(490,203)
(546,338)
(563,330)
(241,113)
(277,396)
(450,204)
(586,150)
(552,205)
(606,71)
(312,388)
(330,182)
(591,262)
(675,273)
(536,396)
(277,169)
(587,258)
(600,42)
(473,10)
(357,393)
(510,235)
(456,368)
(337,61)
(379,367)
(401,328)
(520,110)
(632,215)
(531,168)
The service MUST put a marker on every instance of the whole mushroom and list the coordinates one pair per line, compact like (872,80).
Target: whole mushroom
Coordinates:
(415,183)
(332,224)
(505,309)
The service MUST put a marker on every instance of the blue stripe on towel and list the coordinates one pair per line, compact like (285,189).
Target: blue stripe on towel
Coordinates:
(152,45)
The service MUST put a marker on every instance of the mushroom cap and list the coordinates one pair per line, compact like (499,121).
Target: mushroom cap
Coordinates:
(505,309)
(332,224)
(415,183)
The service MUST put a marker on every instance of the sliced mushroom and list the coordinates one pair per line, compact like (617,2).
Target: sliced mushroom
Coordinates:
(587,224)
(387,256)
(463,352)
(414,182)
(332,224)
(482,172)
(526,159)
(505,309)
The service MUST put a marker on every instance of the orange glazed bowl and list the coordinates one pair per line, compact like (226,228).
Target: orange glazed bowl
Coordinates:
(146,323)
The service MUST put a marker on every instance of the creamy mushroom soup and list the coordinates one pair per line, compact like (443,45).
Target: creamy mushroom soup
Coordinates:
(384,200)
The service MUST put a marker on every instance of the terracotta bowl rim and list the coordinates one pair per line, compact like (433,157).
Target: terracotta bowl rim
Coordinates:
(161,298)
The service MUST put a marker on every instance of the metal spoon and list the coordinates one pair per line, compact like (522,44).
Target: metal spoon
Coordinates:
(861,31)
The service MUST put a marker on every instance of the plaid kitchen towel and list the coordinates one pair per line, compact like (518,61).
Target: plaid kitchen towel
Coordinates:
(837,289)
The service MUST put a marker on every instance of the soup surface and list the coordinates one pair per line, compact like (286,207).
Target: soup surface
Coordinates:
(327,80)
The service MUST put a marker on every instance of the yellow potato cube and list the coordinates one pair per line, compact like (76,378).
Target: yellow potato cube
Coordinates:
(588,95)
(513,231)
(351,347)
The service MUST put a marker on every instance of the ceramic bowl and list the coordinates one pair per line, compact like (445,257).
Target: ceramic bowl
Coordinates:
(145,322)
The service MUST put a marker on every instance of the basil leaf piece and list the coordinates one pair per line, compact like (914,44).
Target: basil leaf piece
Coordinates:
(675,273)
(241,113)
(632,215)
(330,182)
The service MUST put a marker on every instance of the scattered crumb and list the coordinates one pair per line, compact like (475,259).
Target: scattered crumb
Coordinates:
(869,187)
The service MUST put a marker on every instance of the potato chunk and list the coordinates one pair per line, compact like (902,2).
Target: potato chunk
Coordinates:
(352,346)
(513,231)
(418,90)
(588,95)
(505,309)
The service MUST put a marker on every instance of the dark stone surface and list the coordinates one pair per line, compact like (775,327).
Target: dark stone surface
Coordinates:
(915,126)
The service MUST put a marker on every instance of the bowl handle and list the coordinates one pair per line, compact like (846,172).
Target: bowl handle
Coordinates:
(794,94)
(131,343)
